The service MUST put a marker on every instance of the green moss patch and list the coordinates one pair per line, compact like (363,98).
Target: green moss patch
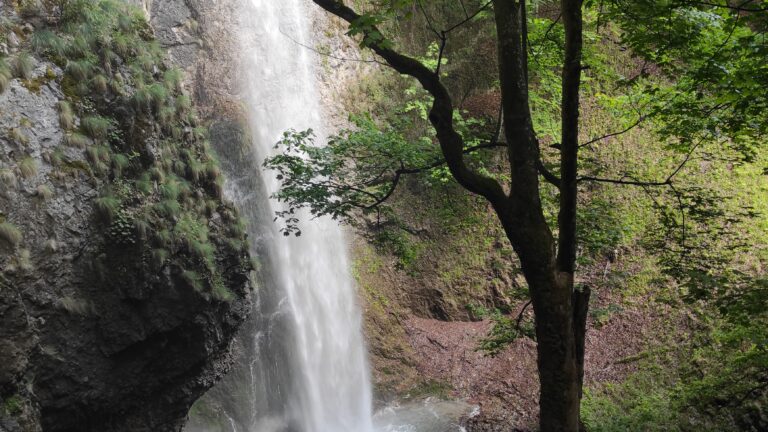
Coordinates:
(121,96)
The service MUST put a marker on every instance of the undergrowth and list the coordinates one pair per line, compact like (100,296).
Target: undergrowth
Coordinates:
(630,238)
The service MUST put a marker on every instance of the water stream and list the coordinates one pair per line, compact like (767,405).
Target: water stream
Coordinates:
(302,359)
(321,376)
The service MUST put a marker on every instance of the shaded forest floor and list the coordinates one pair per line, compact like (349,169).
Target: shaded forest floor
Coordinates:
(505,386)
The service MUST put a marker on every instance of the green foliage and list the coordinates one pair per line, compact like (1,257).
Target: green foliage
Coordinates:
(4,81)
(79,46)
(194,234)
(398,243)
(143,65)
(46,42)
(123,44)
(195,169)
(172,79)
(145,184)
(30,8)
(220,291)
(193,279)
(44,192)
(477,312)
(164,238)
(166,115)
(600,228)
(28,167)
(602,315)
(97,127)
(353,172)
(430,388)
(701,243)
(159,257)
(505,331)
(5,68)
(8,178)
(174,188)
(115,78)
(100,84)
(719,384)
(66,116)
(100,157)
(141,99)
(648,412)
(366,26)
(23,65)
(13,405)
(183,103)
(157,95)
(212,169)
(168,208)
(10,235)
(716,59)
(18,137)
(107,208)
(81,70)
(122,229)
(78,140)
(120,163)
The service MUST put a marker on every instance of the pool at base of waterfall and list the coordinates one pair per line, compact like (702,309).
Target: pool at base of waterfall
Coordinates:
(430,415)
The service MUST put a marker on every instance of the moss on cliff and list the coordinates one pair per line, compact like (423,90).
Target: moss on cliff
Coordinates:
(123,275)
(160,185)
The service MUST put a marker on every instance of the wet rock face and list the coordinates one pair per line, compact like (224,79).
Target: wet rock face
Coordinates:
(92,336)
(111,360)
(198,37)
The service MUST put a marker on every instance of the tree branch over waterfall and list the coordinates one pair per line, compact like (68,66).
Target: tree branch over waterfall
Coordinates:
(441,114)
(529,99)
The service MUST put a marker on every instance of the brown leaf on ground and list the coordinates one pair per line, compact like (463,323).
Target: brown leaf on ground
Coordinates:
(506,387)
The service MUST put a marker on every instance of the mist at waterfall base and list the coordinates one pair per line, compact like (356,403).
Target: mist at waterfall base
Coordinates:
(301,362)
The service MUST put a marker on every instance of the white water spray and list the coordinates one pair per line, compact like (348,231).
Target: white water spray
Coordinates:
(302,363)
(322,377)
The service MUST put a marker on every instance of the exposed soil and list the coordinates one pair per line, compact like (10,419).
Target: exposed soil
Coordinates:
(506,386)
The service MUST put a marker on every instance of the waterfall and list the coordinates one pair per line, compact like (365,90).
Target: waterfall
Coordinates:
(303,360)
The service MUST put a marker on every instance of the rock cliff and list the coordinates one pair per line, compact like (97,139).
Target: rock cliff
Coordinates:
(124,276)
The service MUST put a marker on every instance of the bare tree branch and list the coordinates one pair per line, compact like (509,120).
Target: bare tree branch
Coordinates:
(666,182)
(614,134)
(622,181)
(330,55)
(469,18)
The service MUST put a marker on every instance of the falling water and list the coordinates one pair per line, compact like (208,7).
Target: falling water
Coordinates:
(303,361)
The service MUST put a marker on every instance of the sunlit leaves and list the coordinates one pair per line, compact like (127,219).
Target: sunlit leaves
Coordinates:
(354,171)
(716,61)
(366,26)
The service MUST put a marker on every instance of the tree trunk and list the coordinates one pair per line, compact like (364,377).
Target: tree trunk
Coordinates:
(558,362)
(560,331)
(561,311)
(549,270)
(580,310)
(560,314)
